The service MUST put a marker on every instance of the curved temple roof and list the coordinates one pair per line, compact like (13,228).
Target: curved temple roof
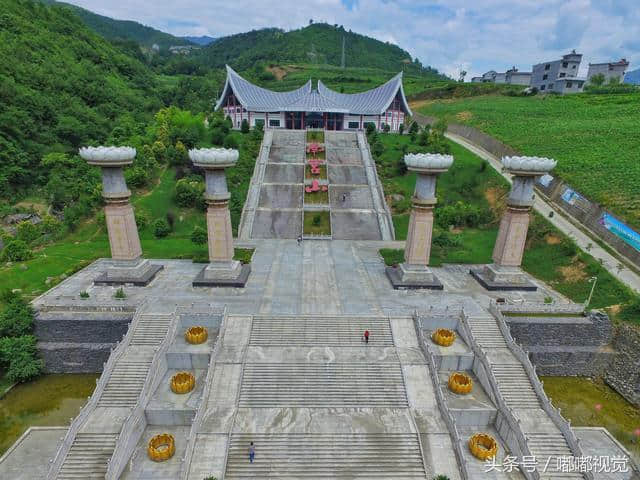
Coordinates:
(305,99)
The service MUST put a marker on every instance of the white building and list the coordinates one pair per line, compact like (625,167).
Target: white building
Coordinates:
(609,70)
(313,108)
(560,76)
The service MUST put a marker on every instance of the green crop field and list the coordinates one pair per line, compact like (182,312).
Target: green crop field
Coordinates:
(594,138)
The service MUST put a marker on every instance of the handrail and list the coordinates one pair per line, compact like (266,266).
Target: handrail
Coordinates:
(78,421)
(369,162)
(200,411)
(256,181)
(440,400)
(563,425)
(514,423)
(126,439)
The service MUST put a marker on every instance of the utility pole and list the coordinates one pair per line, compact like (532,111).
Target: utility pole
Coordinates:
(592,280)
(342,62)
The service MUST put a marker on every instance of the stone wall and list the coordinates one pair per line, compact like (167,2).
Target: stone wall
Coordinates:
(565,345)
(78,341)
(624,372)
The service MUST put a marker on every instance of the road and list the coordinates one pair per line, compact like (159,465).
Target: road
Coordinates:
(583,241)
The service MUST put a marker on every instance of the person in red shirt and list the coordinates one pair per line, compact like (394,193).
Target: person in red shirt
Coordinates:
(366,336)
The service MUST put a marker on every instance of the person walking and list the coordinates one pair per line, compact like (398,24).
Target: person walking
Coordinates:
(252,452)
(299,240)
(344,197)
(366,337)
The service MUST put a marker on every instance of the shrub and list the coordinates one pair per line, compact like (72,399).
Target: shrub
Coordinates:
(386,127)
(16,251)
(50,225)
(84,294)
(189,192)
(171,219)
(446,239)
(199,235)
(377,149)
(18,356)
(230,141)
(27,232)
(413,128)
(120,294)
(17,317)
(217,136)
(161,228)
(392,256)
(243,255)
(136,177)
(401,128)
(244,126)
(370,127)
(316,220)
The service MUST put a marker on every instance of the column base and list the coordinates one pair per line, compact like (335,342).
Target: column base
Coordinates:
(223,274)
(137,272)
(500,278)
(413,277)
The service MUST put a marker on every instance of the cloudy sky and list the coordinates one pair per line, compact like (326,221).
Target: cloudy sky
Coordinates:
(474,35)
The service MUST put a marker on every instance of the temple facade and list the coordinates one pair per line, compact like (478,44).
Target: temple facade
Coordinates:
(307,107)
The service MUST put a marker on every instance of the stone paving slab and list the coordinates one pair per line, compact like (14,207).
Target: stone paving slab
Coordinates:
(278,223)
(439,456)
(347,225)
(28,458)
(344,156)
(208,456)
(276,196)
(357,197)
(106,420)
(322,354)
(598,442)
(278,173)
(347,175)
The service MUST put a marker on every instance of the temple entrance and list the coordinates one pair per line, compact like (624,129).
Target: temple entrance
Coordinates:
(293,120)
(334,121)
(313,120)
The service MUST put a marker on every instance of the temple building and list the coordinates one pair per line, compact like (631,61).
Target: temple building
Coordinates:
(307,107)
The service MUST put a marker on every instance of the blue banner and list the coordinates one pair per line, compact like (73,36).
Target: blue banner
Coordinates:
(619,229)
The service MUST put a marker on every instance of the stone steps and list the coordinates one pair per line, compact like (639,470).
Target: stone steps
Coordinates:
(323,456)
(151,330)
(125,383)
(322,385)
(320,331)
(88,456)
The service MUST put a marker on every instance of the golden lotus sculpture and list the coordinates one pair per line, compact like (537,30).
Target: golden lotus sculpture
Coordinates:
(161,447)
(460,383)
(483,446)
(196,335)
(443,337)
(182,382)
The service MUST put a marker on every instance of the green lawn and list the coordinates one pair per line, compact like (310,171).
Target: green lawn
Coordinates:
(316,197)
(317,223)
(594,138)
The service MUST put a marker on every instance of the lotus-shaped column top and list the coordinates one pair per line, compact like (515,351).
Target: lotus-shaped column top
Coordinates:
(528,166)
(428,162)
(213,158)
(108,156)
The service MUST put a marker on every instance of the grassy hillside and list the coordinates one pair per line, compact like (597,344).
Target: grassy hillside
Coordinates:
(594,138)
(317,44)
(61,86)
(113,29)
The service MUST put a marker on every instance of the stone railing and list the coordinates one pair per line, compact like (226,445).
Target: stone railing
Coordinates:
(202,406)
(78,422)
(550,308)
(136,422)
(554,414)
(248,212)
(521,446)
(442,404)
(377,193)
(86,308)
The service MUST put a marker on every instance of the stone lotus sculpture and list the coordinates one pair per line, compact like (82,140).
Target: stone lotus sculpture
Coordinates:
(214,157)
(428,161)
(528,164)
(107,154)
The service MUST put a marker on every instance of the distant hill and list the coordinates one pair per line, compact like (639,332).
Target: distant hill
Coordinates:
(315,44)
(201,40)
(112,29)
(633,77)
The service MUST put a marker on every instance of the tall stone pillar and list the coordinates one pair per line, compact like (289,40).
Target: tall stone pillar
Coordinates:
(222,270)
(505,273)
(415,271)
(127,264)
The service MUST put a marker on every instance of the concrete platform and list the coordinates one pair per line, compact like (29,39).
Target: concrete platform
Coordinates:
(28,458)
(142,467)
(395,277)
(142,281)
(238,282)
(489,284)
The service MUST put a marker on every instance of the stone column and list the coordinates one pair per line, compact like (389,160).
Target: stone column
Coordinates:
(222,269)
(127,265)
(505,272)
(415,271)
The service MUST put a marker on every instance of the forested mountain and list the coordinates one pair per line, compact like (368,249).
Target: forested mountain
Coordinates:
(633,77)
(61,86)
(112,29)
(201,40)
(318,43)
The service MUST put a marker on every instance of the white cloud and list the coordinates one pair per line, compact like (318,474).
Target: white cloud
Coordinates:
(447,34)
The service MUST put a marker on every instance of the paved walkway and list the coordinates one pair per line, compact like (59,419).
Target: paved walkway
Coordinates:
(584,241)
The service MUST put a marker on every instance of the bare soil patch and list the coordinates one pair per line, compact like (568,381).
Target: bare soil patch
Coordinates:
(278,71)
(464,116)
(573,273)
(552,239)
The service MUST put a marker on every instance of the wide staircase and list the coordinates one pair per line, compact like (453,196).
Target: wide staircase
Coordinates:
(322,385)
(326,456)
(309,331)
(88,456)
(125,382)
(544,439)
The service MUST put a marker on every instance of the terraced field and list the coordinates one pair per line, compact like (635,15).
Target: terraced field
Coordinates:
(594,138)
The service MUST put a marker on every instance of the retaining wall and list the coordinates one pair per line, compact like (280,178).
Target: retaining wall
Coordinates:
(624,372)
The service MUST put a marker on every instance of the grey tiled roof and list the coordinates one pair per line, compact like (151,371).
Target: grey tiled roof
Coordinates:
(305,99)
